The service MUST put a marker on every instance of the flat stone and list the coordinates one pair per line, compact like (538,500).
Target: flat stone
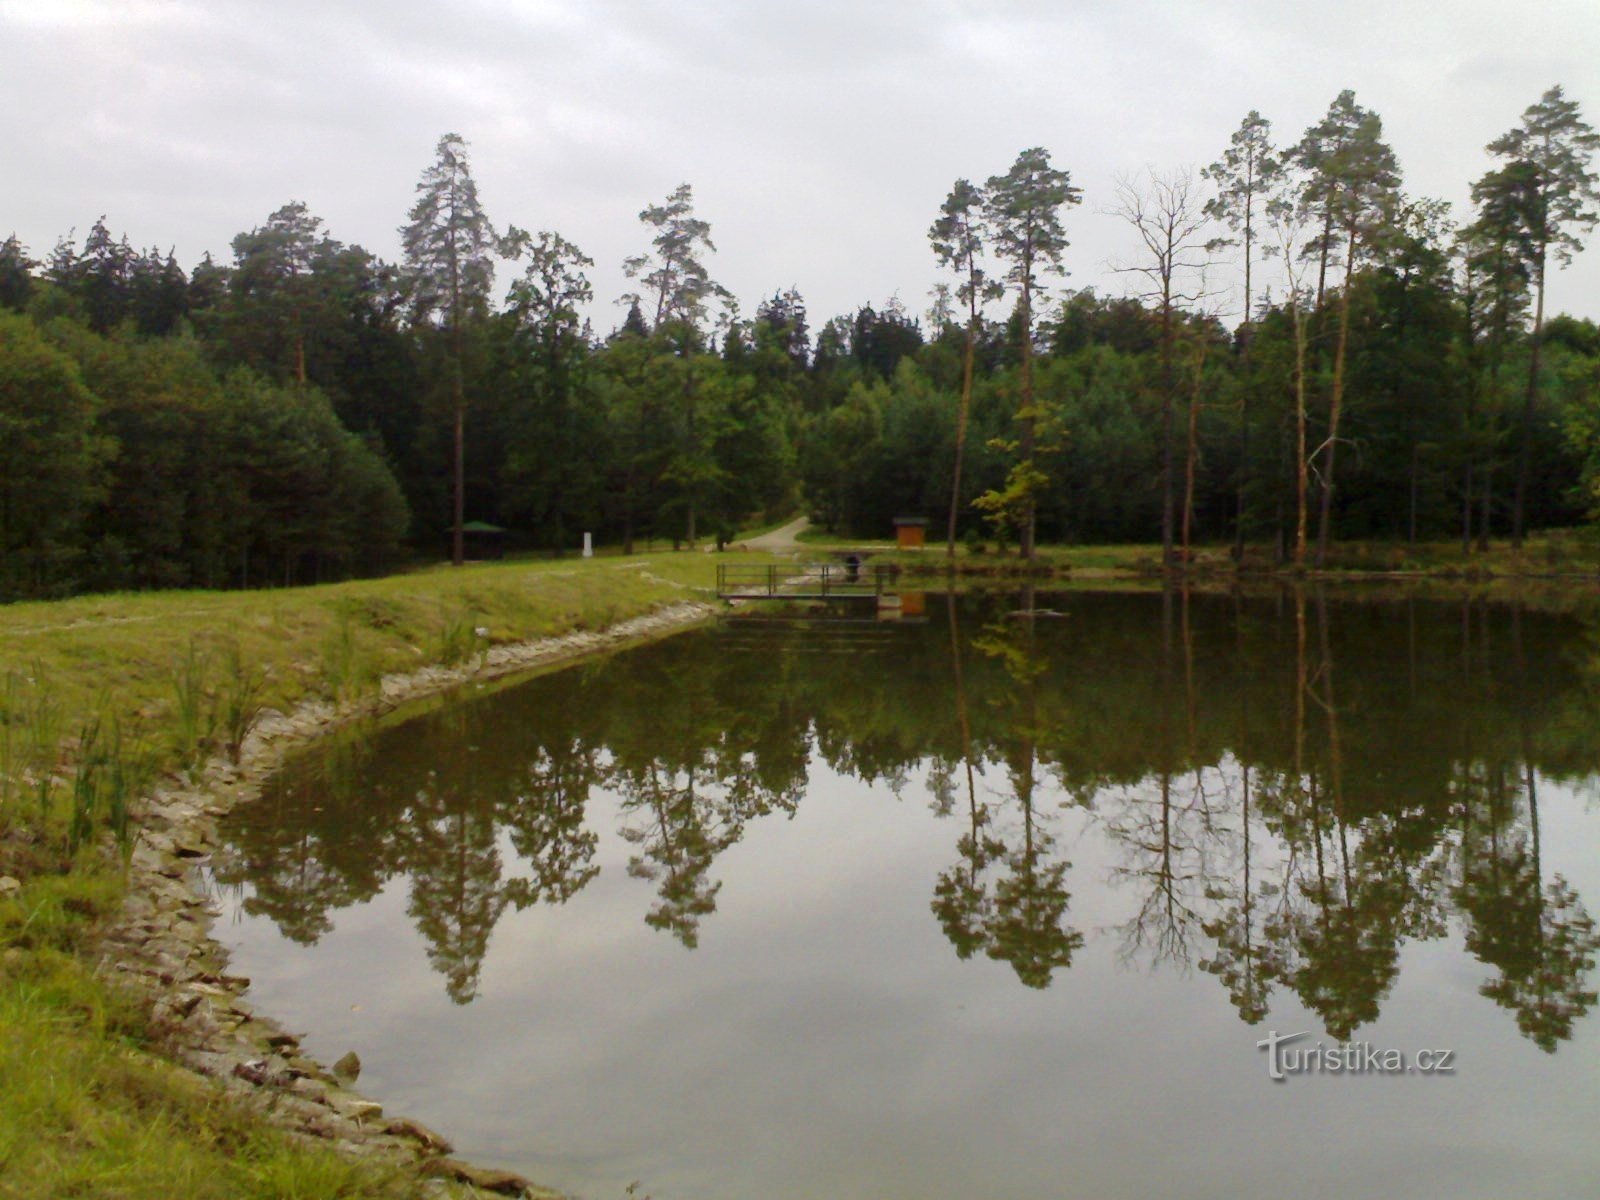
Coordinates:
(419,1133)
(311,1089)
(354,1108)
(485,1179)
(184,1003)
(255,1071)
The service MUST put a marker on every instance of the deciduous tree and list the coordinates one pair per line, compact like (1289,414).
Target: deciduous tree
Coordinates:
(1168,218)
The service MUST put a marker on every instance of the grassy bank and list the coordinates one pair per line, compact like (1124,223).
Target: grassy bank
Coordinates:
(99,698)
(1548,554)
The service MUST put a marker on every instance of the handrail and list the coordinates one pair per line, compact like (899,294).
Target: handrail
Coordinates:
(801,580)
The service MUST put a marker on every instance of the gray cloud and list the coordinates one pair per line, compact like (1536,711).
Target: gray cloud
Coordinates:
(820,136)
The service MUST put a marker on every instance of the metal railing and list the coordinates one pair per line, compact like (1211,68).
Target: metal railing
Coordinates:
(801,581)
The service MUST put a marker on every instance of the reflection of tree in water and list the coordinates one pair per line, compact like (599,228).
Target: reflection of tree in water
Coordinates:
(1246,963)
(679,834)
(301,861)
(1020,916)
(1340,935)
(681,816)
(961,897)
(452,827)
(1167,825)
(546,824)
(457,893)
(1537,935)
(1287,823)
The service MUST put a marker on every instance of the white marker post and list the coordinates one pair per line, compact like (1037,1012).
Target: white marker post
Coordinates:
(588,545)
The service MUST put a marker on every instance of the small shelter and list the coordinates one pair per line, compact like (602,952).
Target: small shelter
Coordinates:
(481,540)
(910,532)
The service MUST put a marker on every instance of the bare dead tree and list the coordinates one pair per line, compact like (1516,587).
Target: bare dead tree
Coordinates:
(1167,213)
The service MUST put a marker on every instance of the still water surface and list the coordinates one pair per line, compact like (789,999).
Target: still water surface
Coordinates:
(972,906)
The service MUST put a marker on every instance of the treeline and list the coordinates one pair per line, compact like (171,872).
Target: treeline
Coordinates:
(134,463)
(305,409)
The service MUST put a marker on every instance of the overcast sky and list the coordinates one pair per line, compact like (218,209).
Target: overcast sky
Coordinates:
(820,136)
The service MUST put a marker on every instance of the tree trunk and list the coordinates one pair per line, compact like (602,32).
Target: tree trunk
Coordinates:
(689,398)
(961,432)
(1244,404)
(1302,467)
(1525,447)
(1336,403)
(1025,546)
(459,499)
(1488,506)
(1166,424)
(1322,257)
(1411,516)
(1192,456)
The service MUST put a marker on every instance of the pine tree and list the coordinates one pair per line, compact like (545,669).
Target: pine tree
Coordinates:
(1022,216)
(1351,185)
(1244,178)
(449,245)
(957,243)
(675,272)
(16,274)
(1556,145)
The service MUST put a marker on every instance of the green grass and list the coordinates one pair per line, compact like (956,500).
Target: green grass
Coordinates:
(1549,554)
(89,1110)
(185,670)
(101,695)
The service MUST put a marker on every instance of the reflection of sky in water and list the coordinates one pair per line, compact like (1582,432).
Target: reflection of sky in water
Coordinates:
(824,1039)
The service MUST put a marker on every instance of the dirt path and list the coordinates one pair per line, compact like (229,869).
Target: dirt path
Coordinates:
(780,540)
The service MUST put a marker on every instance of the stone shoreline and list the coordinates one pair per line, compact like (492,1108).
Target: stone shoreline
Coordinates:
(161,942)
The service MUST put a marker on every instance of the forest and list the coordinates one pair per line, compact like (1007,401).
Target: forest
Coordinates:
(307,411)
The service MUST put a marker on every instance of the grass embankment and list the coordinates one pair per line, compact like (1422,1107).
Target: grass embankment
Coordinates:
(1549,554)
(101,696)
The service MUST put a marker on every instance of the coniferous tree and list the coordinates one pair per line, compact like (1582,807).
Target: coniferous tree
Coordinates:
(1022,216)
(1244,177)
(958,243)
(16,274)
(449,246)
(674,273)
(550,469)
(1555,146)
(1350,189)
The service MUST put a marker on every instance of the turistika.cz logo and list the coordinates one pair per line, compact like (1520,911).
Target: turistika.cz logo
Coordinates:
(1348,1058)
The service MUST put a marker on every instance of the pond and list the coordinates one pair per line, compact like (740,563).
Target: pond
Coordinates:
(973,903)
